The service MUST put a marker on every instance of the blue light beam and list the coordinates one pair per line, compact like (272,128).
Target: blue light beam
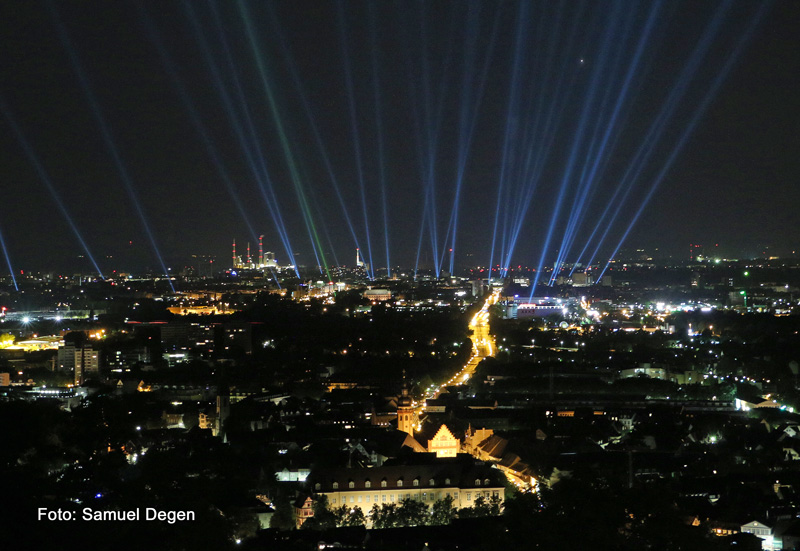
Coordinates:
(45,179)
(348,79)
(689,129)
(8,261)
(108,138)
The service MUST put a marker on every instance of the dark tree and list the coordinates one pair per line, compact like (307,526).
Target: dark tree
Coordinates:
(442,511)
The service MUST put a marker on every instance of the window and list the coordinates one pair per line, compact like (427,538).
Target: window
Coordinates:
(416,482)
(469,496)
(376,498)
(424,496)
(383,498)
(333,501)
(352,499)
(335,485)
(367,498)
(486,482)
(352,484)
(317,486)
(400,483)
(383,483)
(447,481)
(477,482)
(359,499)
(367,484)
(455,496)
(431,482)
(391,498)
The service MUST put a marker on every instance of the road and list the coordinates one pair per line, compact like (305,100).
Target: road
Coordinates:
(483,345)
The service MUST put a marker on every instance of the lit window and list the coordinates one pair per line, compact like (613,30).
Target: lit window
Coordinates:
(352,484)
(367,484)
(317,486)
(400,483)
(335,485)
(431,482)
(469,496)
(447,481)
(383,498)
(416,482)
(383,483)
(477,482)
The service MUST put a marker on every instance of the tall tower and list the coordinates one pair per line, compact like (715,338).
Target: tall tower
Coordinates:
(260,251)
(405,410)
(359,262)
(223,412)
(234,254)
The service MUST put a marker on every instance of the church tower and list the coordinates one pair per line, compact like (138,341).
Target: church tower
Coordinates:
(405,410)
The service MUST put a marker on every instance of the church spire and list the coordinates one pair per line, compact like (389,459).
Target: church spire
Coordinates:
(405,410)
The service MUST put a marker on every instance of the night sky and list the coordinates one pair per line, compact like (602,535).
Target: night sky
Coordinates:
(350,118)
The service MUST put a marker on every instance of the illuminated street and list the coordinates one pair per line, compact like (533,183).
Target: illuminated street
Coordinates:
(483,346)
(452,275)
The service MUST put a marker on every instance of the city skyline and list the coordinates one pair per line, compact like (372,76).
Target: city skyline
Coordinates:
(516,132)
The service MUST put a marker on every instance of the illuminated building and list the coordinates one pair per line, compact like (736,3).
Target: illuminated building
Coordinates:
(264,261)
(66,357)
(207,420)
(405,412)
(87,364)
(360,261)
(444,444)
(378,295)
(428,481)
(303,509)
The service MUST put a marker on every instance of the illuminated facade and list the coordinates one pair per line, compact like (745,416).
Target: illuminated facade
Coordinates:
(444,444)
(461,478)
(405,413)
(378,295)
(87,364)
